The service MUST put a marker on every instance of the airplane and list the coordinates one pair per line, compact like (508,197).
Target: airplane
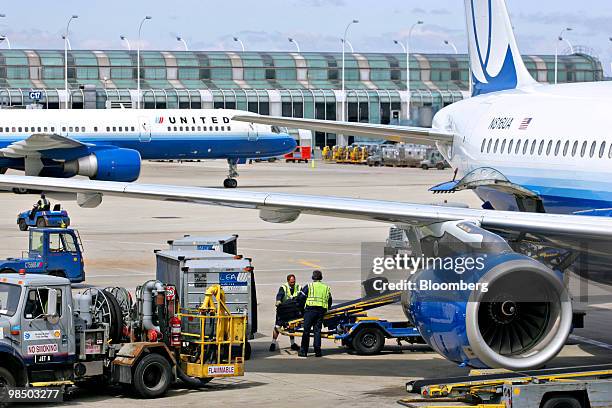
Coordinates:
(535,154)
(110,144)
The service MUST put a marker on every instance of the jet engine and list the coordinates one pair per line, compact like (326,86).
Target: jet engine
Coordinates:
(107,164)
(507,311)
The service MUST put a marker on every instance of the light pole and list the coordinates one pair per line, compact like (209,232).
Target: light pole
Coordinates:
(238,40)
(450,43)
(343,95)
(66,42)
(180,39)
(292,40)
(408,114)
(349,45)
(559,38)
(5,38)
(127,42)
(138,59)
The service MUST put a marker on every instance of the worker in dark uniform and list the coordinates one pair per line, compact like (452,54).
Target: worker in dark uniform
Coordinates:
(287,291)
(42,205)
(317,299)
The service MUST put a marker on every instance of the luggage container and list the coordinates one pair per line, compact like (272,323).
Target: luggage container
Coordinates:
(222,243)
(193,272)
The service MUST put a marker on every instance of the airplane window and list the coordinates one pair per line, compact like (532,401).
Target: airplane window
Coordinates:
(70,128)
(583,150)
(6,129)
(518,147)
(199,128)
(216,128)
(1,129)
(593,146)
(82,128)
(503,146)
(541,148)
(193,128)
(484,141)
(204,128)
(175,128)
(557,147)
(44,129)
(602,149)
(548,147)
(114,128)
(533,146)
(610,152)
(19,128)
(108,129)
(25,129)
(510,146)
(229,128)
(39,129)
(95,128)
(133,129)
(169,128)
(222,128)
(181,128)
(53,128)
(565,148)
(574,148)
(14,129)
(489,146)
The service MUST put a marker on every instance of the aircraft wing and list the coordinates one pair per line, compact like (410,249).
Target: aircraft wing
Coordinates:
(37,143)
(388,132)
(283,207)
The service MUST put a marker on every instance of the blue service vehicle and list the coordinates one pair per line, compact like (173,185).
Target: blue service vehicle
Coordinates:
(43,218)
(51,251)
(366,335)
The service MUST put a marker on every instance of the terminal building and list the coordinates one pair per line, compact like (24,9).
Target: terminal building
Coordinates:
(270,83)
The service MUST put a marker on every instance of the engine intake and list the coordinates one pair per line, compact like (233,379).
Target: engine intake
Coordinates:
(520,320)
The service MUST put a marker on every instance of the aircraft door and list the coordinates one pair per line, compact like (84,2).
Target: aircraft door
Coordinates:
(252,133)
(144,129)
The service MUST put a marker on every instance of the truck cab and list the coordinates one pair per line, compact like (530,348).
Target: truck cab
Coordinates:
(51,251)
(36,329)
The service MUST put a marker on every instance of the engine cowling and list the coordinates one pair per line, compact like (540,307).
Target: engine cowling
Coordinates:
(521,321)
(108,165)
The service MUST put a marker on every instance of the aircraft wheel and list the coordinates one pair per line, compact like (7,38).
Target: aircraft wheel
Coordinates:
(230,183)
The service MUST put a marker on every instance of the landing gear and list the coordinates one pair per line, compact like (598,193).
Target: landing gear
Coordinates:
(230,181)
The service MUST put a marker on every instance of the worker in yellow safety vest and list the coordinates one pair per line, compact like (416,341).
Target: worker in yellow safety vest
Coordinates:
(317,299)
(287,291)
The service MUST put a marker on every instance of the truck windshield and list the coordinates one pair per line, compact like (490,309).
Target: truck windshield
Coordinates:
(36,241)
(9,298)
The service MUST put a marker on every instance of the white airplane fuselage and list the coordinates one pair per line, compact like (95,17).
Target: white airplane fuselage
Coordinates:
(550,139)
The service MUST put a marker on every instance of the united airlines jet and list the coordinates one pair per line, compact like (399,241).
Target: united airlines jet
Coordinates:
(110,144)
(540,159)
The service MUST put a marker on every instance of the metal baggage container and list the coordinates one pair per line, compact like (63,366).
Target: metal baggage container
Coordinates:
(223,243)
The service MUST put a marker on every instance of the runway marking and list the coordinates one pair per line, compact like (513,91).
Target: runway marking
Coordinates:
(592,342)
(310,264)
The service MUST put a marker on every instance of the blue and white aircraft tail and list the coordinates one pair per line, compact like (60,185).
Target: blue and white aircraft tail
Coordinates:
(495,61)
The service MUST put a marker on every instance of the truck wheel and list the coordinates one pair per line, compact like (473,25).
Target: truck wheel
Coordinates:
(152,376)
(22,225)
(6,378)
(8,270)
(424,167)
(41,223)
(247,350)
(440,166)
(562,402)
(368,341)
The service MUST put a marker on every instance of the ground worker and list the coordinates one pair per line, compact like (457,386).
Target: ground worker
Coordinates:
(42,205)
(317,299)
(286,292)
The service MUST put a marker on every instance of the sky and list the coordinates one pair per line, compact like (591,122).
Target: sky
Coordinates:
(317,25)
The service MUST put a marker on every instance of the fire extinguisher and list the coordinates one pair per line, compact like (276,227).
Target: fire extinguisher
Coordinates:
(175,330)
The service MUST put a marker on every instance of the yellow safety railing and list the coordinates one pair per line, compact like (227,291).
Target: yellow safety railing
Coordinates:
(212,332)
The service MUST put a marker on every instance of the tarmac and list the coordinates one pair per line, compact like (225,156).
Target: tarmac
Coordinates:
(119,238)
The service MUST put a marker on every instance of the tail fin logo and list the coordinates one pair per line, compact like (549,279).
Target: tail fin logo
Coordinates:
(492,47)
